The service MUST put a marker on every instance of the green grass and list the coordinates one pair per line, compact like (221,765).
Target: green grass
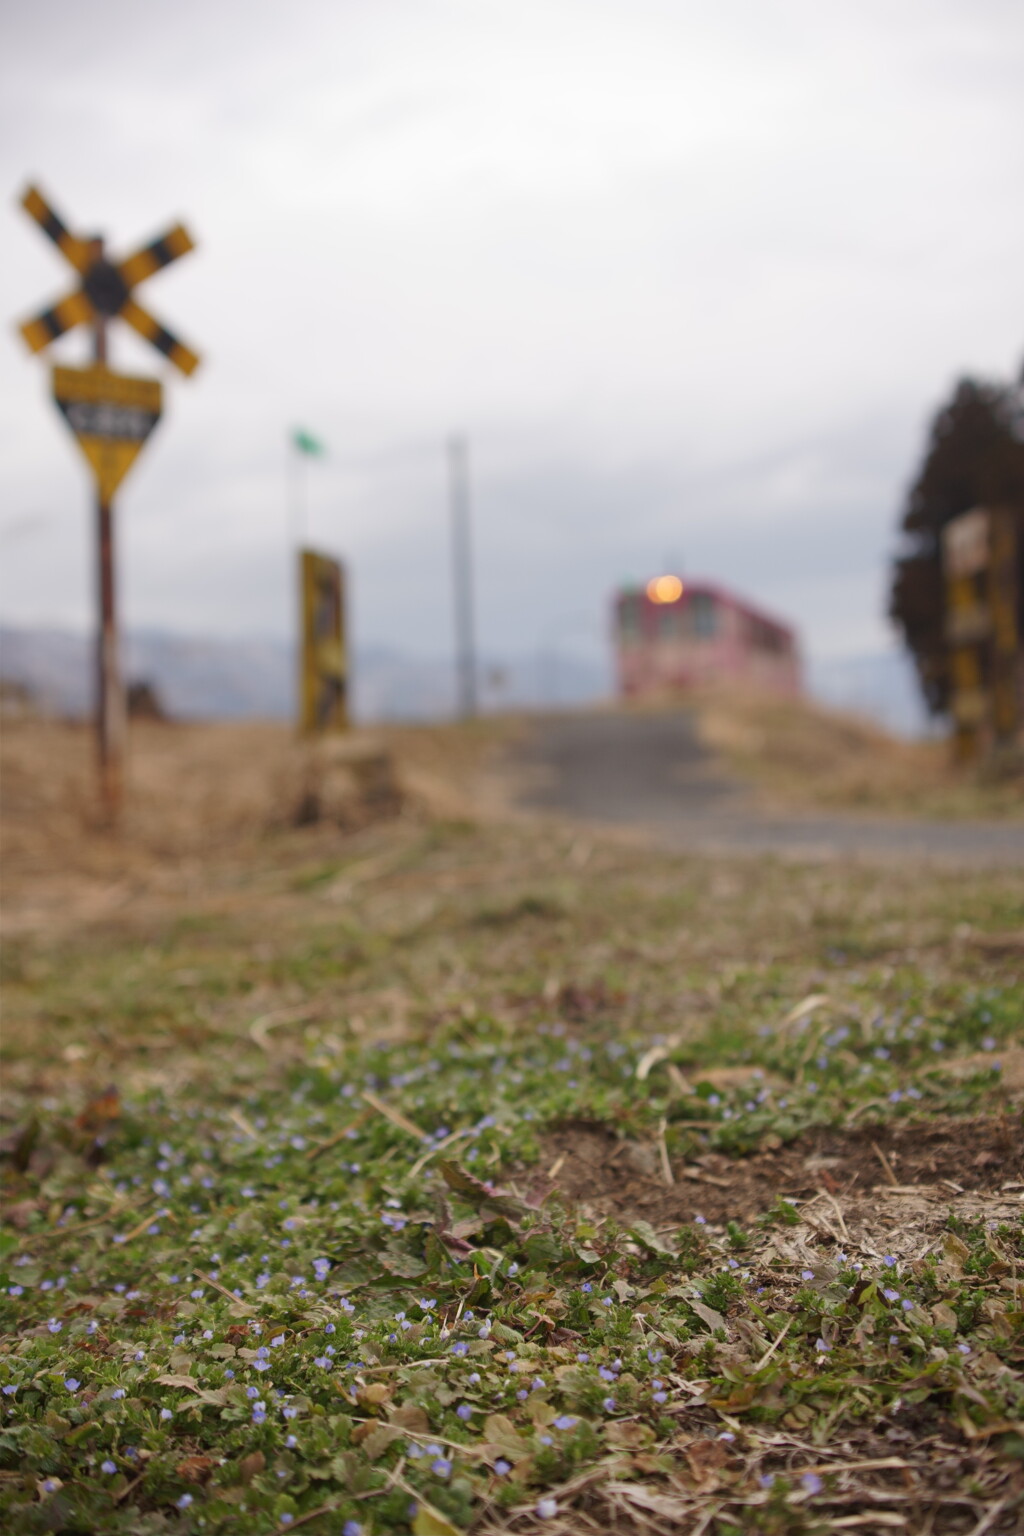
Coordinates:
(260,1297)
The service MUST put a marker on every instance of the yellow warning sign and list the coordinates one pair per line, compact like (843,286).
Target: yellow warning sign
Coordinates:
(323,705)
(111,414)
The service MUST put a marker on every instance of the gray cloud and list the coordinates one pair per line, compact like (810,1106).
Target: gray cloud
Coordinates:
(692,279)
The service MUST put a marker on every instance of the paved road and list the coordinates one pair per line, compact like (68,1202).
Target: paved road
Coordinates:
(649,771)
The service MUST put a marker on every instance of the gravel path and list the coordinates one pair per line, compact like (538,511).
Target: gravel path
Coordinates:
(651,772)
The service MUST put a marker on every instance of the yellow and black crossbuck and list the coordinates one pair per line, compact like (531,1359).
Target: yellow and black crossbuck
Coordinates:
(106,286)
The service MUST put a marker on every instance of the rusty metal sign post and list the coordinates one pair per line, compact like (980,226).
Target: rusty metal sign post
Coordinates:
(111,416)
(979,553)
(323,685)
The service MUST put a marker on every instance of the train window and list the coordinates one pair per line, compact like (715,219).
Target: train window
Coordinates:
(704,614)
(629,619)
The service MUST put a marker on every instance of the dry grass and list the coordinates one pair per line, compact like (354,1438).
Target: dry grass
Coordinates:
(199,796)
(800,756)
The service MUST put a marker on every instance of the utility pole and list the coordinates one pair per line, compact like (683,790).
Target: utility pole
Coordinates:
(111,712)
(462,577)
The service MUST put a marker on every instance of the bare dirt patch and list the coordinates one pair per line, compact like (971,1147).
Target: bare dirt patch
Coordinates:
(938,1159)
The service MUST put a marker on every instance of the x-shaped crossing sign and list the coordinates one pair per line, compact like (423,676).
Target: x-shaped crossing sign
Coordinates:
(105,290)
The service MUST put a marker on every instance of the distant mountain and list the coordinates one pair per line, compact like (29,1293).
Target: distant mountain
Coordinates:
(203,679)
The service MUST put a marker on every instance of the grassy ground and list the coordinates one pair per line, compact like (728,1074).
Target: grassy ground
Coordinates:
(452,1171)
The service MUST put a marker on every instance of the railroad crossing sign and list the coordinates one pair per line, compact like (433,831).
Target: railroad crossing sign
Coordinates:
(105,291)
(111,415)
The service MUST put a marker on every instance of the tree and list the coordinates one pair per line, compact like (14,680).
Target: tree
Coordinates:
(975,457)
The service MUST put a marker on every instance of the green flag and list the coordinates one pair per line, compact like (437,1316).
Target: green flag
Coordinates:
(305,442)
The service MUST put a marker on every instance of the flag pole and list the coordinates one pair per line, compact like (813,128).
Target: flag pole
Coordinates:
(462,577)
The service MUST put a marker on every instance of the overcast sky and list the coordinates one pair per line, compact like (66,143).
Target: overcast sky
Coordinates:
(692,278)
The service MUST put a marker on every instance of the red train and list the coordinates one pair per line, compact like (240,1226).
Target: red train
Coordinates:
(672,636)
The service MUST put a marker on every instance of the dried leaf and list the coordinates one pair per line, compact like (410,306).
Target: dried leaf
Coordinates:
(410,1416)
(477,1194)
(375,1394)
(706,1459)
(707,1314)
(99,1112)
(645,1234)
(376,1442)
(251,1466)
(170,1379)
(944,1316)
(430,1522)
(196,1469)
(501,1434)
(627,1435)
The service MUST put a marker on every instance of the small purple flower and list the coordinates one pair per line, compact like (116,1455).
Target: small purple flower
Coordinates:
(108,1467)
(460,1349)
(185,1501)
(167,1413)
(464,1411)
(907,1304)
(609,1405)
(889,1259)
(807,1274)
(547,1509)
(440,1466)
(565,1421)
(821,1346)
(811,1482)
(351,1528)
(54,1326)
(72,1383)
(502,1467)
